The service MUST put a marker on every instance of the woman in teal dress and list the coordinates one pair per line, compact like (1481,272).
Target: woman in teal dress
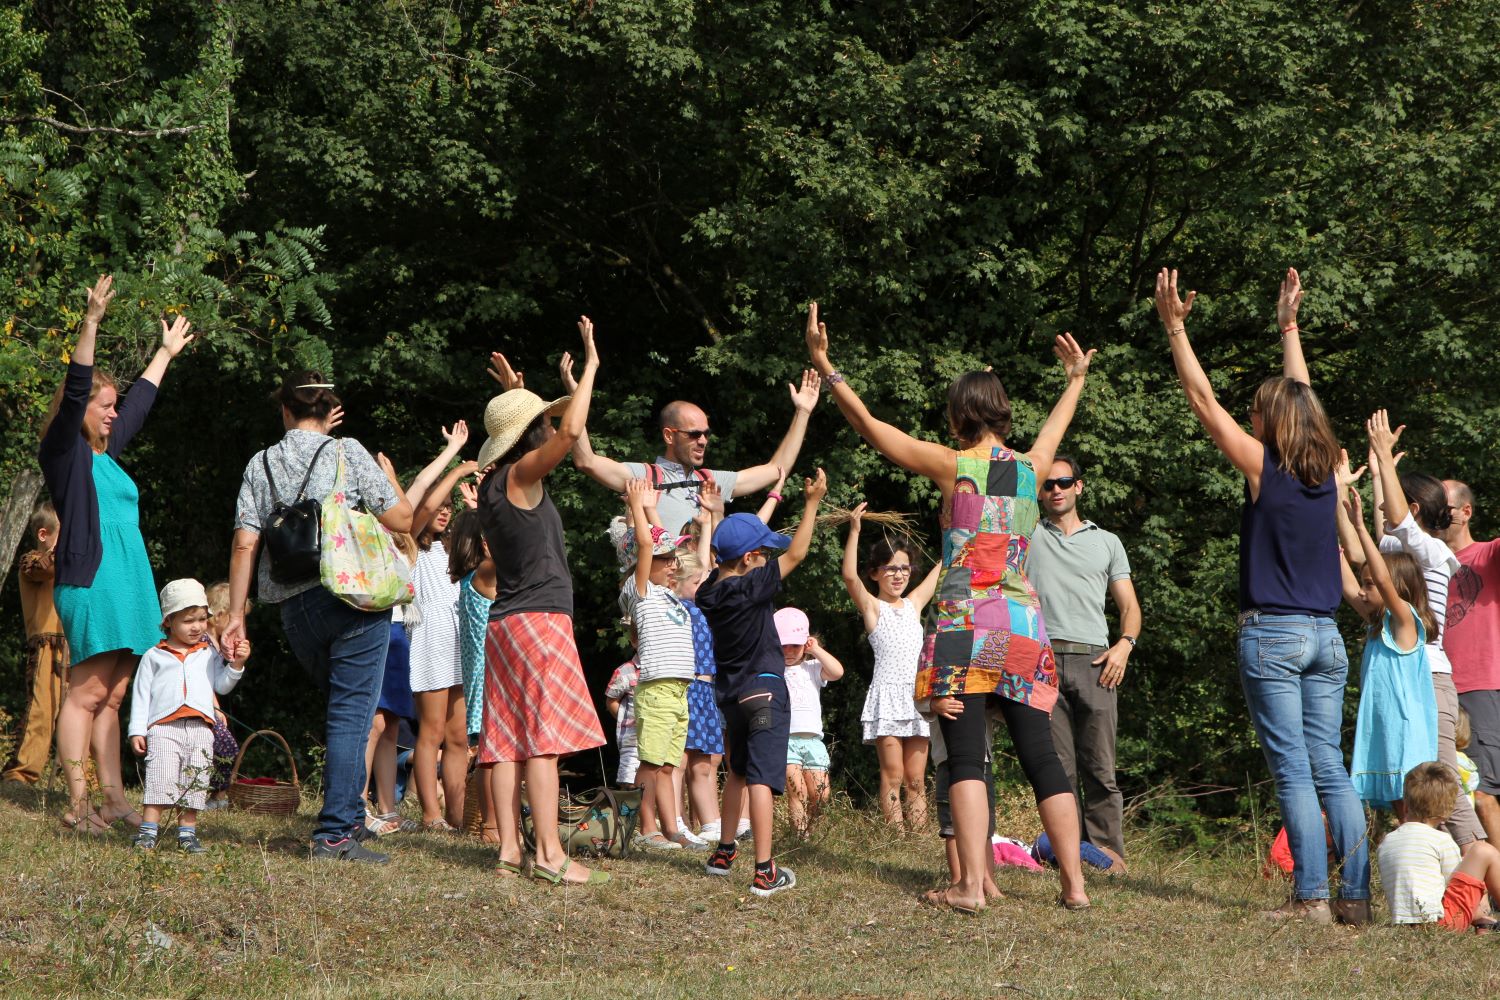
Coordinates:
(985,649)
(105,593)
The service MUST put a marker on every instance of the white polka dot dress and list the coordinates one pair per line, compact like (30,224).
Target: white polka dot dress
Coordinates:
(890,709)
(435,661)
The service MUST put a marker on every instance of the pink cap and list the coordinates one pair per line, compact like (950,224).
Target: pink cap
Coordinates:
(791,626)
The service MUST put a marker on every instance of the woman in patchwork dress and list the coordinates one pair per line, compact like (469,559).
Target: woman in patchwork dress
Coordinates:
(985,644)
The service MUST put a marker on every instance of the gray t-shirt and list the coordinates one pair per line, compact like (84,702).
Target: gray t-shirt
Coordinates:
(1072,574)
(679,505)
(289,458)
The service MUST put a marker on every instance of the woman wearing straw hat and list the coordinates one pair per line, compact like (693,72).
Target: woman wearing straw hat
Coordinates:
(537,707)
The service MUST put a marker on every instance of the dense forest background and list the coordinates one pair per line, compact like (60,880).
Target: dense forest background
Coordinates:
(392,189)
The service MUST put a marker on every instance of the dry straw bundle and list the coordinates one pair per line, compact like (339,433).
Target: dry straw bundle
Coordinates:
(903,526)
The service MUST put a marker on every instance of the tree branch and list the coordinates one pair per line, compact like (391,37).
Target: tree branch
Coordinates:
(159,133)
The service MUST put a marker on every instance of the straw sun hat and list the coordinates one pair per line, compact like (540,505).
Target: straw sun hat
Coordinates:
(506,418)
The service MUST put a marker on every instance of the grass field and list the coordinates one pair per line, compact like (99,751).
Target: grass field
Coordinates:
(254,918)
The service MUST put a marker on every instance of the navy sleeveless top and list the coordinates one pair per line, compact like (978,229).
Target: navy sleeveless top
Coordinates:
(1289,546)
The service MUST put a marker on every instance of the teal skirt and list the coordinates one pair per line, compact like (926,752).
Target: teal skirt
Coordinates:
(119,610)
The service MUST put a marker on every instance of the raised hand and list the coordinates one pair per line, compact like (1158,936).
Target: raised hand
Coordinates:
(710,497)
(1289,299)
(857,517)
(565,372)
(817,336)
(805,398)
(175,337)
(1355,506)
(1382,438)
(387,466)
(100,296)
(1172,309)
(470,494)
(1342,475)
(335,417)
(816,488)
(501,371)
(590,353)
(456,438)
(638,493)
(1075,360)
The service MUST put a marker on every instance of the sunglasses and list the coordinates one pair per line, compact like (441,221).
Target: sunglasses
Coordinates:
(694,435)
(1061,483)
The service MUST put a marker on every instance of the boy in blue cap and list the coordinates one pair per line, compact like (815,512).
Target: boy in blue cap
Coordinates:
(739,601)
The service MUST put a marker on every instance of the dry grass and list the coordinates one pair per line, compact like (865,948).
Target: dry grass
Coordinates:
(78,917)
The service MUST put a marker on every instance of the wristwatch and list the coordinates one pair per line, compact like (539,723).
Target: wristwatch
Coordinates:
(1128,638)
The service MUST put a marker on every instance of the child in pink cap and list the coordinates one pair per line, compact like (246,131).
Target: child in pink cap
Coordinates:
(808,667)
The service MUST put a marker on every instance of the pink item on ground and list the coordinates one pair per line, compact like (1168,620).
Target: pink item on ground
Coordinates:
(1014,853)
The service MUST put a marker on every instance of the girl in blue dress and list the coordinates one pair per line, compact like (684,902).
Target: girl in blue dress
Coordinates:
(1396,728)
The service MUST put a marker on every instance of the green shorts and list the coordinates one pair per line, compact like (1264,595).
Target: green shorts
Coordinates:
(661,720)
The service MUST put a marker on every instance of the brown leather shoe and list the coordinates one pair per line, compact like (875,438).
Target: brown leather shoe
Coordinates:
(1312,911)
(1354,912)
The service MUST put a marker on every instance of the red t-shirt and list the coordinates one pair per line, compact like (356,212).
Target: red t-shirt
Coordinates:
(1472,635)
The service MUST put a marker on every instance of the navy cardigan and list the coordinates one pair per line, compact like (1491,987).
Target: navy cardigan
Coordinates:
(67,463)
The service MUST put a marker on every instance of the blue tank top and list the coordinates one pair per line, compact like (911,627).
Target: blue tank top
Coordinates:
(1289,546)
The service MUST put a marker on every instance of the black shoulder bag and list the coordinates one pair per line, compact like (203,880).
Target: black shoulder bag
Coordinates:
(293,533)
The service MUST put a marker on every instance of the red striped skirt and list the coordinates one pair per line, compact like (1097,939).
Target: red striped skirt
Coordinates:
(535,700)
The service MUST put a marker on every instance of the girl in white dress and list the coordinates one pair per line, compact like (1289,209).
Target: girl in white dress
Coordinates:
(893,622)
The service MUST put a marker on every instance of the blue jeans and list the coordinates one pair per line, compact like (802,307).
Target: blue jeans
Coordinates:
(343,650)
(1293,669)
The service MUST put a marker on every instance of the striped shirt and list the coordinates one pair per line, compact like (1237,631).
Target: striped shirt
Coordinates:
(1438,566)
(663,632)
(1416,861)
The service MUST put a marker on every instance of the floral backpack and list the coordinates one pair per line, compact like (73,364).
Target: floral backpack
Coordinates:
(361,564)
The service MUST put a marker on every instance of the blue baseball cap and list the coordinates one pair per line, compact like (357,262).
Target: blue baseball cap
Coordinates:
(741,533)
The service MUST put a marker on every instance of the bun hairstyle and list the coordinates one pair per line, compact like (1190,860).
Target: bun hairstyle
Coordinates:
(1427,492)
(305,397)
(978,405)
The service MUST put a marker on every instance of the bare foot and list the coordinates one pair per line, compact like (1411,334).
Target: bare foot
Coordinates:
(951,899)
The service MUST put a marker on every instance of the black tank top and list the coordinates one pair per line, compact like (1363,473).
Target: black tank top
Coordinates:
(531,564)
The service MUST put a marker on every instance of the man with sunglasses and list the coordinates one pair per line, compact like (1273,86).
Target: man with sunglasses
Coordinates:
(1073,564)
(678,472)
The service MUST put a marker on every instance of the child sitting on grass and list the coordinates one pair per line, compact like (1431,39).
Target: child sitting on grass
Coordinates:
(1425,879)
(738,599)
(172,712)
(808,668)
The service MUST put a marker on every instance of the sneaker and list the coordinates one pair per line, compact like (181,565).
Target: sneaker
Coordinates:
(743,830)
(769,883)
(143,840)
(1312,911)
(348,849)
(721,860)
(1354,912)
(689,842)
(653,842)
(188,843)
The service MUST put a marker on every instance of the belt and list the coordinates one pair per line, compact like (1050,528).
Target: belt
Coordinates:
(1075,647)
(705,678)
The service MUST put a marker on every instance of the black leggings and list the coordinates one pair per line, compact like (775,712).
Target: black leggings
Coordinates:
(1030,732)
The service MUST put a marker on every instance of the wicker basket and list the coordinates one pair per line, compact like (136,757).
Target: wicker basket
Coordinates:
(473,815)
(279,799)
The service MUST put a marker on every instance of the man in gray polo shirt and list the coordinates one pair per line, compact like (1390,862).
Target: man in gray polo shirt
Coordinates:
(679,471)
(1072,564)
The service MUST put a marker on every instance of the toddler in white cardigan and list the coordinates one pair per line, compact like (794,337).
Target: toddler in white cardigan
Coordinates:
(172,712)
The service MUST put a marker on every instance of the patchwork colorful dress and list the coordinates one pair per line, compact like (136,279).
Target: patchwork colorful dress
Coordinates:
(985,631)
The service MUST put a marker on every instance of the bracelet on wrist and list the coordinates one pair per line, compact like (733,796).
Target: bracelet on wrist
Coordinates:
(1176,331)
(773,495)
(1289,328)
(833,377)
(1128,638)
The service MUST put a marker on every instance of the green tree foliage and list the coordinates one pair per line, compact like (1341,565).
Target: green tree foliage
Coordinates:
(955,182)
